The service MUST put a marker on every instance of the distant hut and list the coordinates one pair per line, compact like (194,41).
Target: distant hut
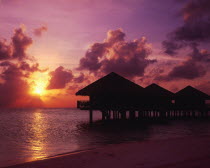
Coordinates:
(191,99)
(112,93)
(157,100)
(158,97)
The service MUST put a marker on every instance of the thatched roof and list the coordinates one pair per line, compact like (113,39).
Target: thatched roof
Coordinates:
(190,91)
(111,83)
(155,90)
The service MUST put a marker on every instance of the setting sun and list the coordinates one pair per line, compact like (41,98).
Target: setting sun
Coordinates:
(39,83)
(39,88)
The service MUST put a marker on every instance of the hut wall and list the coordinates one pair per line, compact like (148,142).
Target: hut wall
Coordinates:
(114,101)
(189,102)
(157,102)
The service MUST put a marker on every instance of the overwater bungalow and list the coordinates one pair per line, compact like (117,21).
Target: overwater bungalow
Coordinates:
(191,101)
(112,95)
(157,100)
(157,97)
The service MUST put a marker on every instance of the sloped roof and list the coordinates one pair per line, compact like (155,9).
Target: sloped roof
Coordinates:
(190,91)
(155,90)
(111,83)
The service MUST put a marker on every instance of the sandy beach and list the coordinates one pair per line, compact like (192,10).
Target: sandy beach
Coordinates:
(186,152)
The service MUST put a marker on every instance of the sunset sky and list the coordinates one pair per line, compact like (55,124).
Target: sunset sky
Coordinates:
(49,49)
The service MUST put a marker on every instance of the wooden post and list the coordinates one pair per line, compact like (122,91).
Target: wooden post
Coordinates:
(139,114)
(202,113)
(132,114)
(108,115)
(103,115)
(169,114)
(118,115)
(114,114)
(123,114)
(91,116)
(194,113)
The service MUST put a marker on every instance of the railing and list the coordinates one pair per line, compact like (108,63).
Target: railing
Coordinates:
(83,105)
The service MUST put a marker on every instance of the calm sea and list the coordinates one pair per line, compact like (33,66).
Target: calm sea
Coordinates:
(30,134)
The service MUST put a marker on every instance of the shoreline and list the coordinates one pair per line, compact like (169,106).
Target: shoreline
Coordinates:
(179,152)
(50,157)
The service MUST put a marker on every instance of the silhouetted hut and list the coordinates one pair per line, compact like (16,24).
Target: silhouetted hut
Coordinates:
(191,99)
(157,100)
(157,97)
(111,93)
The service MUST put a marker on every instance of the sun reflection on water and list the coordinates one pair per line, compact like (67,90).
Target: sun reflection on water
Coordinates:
(37,144)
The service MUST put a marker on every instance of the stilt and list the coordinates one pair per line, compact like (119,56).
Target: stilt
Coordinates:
(193,113)
(123,115)
(132,114)
(108,117)
(139,114)
(113,114)
(103,115)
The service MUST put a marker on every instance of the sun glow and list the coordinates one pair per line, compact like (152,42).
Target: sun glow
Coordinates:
(39,87)
(39,82)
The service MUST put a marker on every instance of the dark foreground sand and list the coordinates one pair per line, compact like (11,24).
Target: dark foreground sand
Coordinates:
(172,153)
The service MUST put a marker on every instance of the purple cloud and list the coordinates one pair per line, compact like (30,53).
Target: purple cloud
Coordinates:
(39,31)
(16,66)
(20,43)
(59,78)
(128,58)
(195,29)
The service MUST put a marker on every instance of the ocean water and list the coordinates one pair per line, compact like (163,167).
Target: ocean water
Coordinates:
(31,134)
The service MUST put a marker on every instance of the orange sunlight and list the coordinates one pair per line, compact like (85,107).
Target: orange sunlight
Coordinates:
(39,82)
(54,98)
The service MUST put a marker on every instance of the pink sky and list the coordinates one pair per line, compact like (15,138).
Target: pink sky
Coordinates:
(72,40)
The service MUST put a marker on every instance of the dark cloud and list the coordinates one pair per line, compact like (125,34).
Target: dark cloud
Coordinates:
(11,71)
(16,66)
(196,9)
(59,78)
(170,47)
(196,16)
(193,67)
(81,78)
(194,31)
(5,50)
(187,70)
(16,49)
(14,86)
(115,54)
(30,68)
(20,43)
(199,55)
(39,31)
(91,61)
